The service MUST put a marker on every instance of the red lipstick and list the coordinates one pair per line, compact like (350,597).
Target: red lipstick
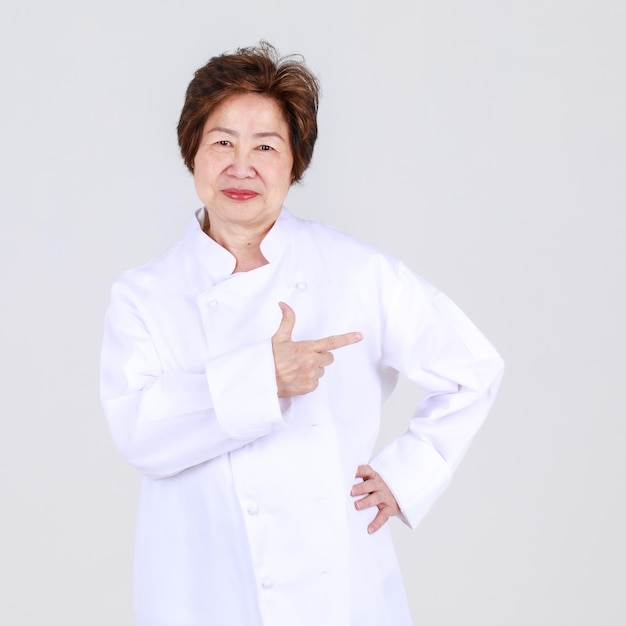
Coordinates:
(240,194)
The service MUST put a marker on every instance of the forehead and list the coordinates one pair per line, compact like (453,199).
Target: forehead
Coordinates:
(248,110)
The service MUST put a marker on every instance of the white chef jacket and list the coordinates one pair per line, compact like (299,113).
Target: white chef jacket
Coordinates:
(245,517)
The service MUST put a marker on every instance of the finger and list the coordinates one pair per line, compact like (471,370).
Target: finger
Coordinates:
(336,341)
(369,501)
(368,485)
(325,358)
(378,522)
(363,489)
(365,472)
(287,322)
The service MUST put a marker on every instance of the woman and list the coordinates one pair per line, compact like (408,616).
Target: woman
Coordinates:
(260,503)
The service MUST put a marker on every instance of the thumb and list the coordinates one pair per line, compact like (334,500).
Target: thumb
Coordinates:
(288,321)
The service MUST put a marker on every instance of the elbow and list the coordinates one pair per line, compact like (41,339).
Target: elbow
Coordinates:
(484,376)
(137,447)
(153,461)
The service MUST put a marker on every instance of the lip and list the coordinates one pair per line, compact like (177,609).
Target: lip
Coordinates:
(240,194)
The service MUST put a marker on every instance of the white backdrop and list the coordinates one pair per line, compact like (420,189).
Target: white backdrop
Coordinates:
(483,142)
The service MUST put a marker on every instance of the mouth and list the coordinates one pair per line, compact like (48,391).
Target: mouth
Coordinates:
(239,194)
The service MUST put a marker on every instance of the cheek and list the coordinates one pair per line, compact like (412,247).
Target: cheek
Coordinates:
(204,170)
(203,182)
(283,177)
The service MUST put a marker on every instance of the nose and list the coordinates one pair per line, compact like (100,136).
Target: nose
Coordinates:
(241,165)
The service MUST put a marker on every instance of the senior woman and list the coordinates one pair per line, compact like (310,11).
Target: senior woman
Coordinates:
(261,504)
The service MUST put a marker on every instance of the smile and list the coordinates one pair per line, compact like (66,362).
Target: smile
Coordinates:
(240,194)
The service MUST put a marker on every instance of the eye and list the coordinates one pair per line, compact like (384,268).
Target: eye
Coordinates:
(223,142)
(265,148)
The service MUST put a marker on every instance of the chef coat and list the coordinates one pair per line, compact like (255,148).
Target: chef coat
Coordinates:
(245,514)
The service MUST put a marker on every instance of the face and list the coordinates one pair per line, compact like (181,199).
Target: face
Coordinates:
(242,169)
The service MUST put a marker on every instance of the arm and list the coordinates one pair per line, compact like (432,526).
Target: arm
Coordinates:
(430,341)
(165,422)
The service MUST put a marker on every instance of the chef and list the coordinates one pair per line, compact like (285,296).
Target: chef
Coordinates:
(243,373)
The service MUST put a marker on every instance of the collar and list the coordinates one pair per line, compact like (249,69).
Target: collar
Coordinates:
(218,262)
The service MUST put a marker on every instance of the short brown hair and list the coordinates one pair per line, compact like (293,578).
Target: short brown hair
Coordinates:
(260,70)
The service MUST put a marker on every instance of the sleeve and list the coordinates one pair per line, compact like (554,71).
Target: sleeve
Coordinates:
(165,422)
(430,341)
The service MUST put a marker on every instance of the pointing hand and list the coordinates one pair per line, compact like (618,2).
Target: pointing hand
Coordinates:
(300,364)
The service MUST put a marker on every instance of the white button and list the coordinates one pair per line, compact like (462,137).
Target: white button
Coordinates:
(253,509)
(213,304)
(301,286)
(267,583)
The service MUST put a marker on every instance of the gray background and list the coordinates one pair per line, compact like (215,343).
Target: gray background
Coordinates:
(481,142)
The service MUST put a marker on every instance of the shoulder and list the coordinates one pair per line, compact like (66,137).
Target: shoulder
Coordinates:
(356,257)
(346,250)
(337,242)
(151,277)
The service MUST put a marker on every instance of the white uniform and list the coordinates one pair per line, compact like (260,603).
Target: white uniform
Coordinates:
(245,517)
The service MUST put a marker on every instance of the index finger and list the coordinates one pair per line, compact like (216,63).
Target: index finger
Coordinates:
(336,341)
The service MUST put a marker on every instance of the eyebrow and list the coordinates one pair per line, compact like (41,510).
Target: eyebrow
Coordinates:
(228,131)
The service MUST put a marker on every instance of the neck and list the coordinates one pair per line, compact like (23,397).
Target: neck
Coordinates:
(243,243)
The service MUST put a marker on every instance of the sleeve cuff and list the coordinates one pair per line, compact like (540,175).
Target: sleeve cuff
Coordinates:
(243,387)
(415,473)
